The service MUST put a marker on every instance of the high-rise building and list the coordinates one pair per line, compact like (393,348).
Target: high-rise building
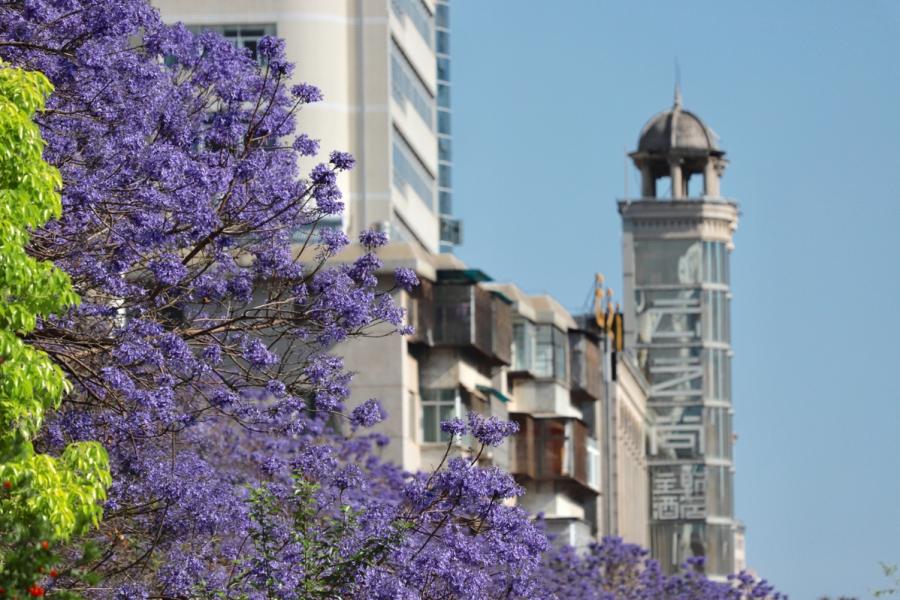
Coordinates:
(677,304)
(384,68)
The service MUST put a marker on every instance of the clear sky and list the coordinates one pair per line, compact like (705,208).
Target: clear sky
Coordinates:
(806,98)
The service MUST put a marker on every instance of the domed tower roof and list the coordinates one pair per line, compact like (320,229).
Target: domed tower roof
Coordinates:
(677,144)
(679,130)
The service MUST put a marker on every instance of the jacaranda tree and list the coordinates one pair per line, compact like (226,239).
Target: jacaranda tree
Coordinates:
(43,499)
(201,352)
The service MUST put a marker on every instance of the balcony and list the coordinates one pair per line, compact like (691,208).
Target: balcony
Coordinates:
(555,449)
(586,378)
(471,317)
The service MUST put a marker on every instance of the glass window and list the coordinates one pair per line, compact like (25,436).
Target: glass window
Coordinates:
(443,121)
(443,42)
(551,353)
(543,356)
(445,202)
(408,172)
(560,355)
(438,405)
(715,262)
(444,149)
(442,16)
(668,262)
(443,96)
(523,346)
(443,69)
(444,175)
(406,88)
(540,349)
(416,12)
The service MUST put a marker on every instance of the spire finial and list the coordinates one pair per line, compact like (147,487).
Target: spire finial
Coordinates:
(677,84)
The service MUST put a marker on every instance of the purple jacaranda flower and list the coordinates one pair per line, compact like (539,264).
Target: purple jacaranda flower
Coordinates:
(305,145)
(406,278)
(373,239)
(367,414)
(490,431)
(306,93)
(455,427)
(342,160)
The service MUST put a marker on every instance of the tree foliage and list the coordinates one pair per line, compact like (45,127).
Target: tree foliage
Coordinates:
(43,499)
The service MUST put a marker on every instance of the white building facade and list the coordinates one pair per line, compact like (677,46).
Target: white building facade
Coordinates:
(387,98)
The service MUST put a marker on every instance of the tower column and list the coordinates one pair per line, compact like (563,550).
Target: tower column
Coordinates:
(677,180)
(648,182)
(711,179)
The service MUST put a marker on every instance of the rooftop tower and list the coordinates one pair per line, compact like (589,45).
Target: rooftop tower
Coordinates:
(677,303)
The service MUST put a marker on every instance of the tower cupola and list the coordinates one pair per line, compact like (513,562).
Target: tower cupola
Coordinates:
(677,144)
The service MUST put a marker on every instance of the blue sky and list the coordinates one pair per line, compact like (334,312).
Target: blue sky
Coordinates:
(806,98)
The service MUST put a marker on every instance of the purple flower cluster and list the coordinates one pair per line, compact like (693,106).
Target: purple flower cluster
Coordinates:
(456,427)
(342,161)
(372,239)
(367,414)
(490,431)
(406,278)
(615,569)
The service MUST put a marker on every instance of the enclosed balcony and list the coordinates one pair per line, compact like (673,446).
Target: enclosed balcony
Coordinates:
(554,450)
(586,378)
(471,317)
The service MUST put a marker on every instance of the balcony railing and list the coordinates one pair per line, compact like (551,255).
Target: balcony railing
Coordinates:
(554,449)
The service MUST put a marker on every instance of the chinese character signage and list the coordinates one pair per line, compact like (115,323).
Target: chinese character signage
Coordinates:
(678,492)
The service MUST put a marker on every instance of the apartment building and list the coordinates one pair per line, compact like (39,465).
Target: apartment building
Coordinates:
(489,347)
(384,68)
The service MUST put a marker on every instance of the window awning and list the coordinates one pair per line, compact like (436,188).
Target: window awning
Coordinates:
(494,392)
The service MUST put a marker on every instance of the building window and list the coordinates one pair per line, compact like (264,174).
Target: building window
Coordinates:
(442,16)
(669,262)
(438,405)
(407,88)
(408,172)
(715,262)
(550,359)
(443,96)
(445,202)
(443,69)
(418,14)
(242,36)
(444,175)
(445,151)
(443,42)
(541,350)
(444,121)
